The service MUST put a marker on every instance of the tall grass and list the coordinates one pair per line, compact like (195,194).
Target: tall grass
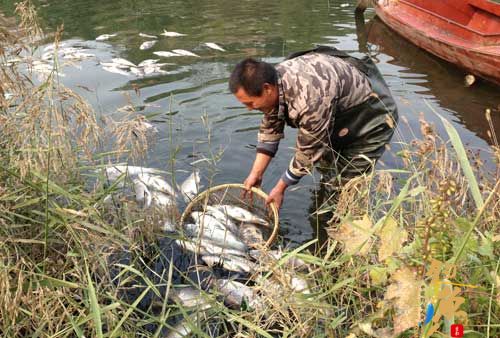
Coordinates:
(58,236)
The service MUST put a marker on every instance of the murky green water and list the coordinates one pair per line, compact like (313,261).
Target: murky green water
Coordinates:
(207,119)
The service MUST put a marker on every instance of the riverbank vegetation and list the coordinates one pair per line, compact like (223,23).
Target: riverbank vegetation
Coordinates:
(375,276)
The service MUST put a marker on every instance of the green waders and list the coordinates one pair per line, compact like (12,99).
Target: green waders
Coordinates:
(360,134)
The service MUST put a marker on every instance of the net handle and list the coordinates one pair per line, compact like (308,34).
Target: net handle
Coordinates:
(255,190)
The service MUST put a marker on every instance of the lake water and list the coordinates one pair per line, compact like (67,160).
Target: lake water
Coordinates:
(197,115)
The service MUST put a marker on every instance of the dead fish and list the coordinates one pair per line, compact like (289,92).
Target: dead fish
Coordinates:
(147,44)
(165,54)
(192,246)
(299,285)
(105,37)
(184,52)
(215,234)
(142,193)
(116,70)
(251,234)
(190,187)
(52,46)
(147,62)
(241,214)
(214,46)
(276,255)
(148,36)
(169,226)
(124,62)
(171,34)
(236,294)
(223,218)
(188,297)
(156,182)
(213,248)
(112,173)
(137,71)
(469,80)
(154,69)
(115,65)
(162,200)
(236,264)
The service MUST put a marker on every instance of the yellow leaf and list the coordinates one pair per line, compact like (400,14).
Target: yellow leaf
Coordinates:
(355,236)
(392,238)
(378,275)
(404,293)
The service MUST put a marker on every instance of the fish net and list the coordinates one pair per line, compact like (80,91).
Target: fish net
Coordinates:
(233,195)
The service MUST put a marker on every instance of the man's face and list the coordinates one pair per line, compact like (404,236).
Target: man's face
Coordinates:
(266,102)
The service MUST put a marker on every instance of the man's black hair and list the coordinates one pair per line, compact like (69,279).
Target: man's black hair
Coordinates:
(251,75)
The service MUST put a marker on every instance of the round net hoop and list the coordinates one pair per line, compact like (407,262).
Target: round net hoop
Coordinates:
(231,193)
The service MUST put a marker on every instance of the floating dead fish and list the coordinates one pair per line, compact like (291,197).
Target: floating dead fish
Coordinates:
(147,44)
(214,46)
(104,37)
(469,80)
(154,69)
(156,182)
(115,70)
(123,62)
(52,46)
(148,36)
(184,52)
(112,173)
(171,34)
(165,54)
(137,71)
(147,62)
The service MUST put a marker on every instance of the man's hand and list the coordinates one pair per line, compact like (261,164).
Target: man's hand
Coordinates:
(277,194)
(254,179)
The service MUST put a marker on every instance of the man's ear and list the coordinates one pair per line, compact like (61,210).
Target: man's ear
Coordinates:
(267,88)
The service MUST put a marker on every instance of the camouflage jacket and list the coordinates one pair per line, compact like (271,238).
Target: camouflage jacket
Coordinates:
(311,88)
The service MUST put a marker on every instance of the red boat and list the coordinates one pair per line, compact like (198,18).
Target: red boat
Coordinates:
(463,32)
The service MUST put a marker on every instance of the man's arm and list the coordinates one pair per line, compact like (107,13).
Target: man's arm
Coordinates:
(260,164)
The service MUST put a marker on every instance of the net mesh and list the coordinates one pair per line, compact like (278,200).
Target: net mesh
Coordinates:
(236,195)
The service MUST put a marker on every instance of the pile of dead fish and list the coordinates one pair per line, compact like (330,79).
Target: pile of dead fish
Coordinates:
(223,235)
(151,189)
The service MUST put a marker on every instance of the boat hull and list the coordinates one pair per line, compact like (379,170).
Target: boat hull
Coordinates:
(476,52)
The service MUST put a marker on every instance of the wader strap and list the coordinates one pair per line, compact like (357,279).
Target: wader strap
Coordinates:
(332,51)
